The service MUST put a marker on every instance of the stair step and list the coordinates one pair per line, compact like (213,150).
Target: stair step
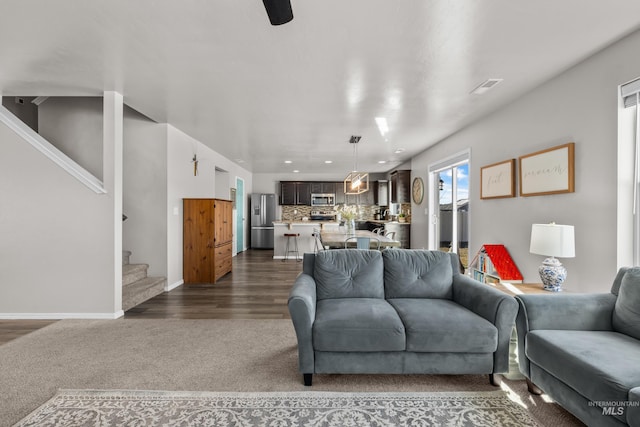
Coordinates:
(133,272)
(141,290)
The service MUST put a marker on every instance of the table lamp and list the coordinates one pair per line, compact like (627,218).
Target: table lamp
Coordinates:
(552,240)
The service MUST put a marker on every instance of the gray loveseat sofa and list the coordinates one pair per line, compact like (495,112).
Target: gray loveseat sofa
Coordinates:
(398,311)
(583,350)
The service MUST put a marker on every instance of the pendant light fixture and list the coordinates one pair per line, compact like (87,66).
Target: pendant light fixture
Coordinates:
(356,182)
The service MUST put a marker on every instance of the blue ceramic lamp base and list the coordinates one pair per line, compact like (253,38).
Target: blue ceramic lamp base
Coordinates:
(553,274)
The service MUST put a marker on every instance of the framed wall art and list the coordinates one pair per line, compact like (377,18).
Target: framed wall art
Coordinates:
(498,180)
(549,171)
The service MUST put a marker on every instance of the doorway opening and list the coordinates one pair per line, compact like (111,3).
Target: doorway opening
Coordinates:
(239,220)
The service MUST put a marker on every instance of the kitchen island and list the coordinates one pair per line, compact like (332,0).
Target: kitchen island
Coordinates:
(306,241)
(336,239)
(402,230)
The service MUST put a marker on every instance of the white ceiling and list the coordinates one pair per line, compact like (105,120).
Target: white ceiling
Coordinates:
(217,70)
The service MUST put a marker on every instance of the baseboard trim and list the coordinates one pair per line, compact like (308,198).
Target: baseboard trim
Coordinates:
(60,316)
(290,258)
(173,285)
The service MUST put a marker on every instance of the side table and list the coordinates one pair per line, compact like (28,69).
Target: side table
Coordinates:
(513,290)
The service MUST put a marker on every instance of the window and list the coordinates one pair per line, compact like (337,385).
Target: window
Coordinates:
(629,174)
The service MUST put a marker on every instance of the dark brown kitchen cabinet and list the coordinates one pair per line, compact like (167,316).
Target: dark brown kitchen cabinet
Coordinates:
(340,196)
(401,186)
(304,193)
(381,193)
(207,240)
(366,198)
(288,193)
(295,193)
(323,187)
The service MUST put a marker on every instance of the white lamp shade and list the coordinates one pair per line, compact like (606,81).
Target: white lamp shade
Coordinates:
(553,240)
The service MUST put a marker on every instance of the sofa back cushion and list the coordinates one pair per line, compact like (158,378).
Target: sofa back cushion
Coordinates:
(626,313)
(417,273)
(349,273)
(615,288)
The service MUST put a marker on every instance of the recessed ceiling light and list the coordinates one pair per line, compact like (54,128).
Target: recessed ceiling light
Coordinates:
(288,161)
(296,171)
(328,161)
(399,150)
(382,162)
(485,86)
(383,127)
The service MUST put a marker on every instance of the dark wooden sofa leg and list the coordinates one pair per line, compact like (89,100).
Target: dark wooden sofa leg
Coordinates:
(308,378)
(495,379)
(533,389)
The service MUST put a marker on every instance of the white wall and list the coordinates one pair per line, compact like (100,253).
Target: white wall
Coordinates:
(57,245)
(223,184)
(181,183)
(61,243)
(74,126)
(144,233)
(580,106)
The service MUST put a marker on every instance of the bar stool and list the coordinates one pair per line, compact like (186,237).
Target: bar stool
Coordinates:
(287,250)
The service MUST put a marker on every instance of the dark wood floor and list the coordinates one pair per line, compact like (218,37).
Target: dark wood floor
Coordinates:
(257,288)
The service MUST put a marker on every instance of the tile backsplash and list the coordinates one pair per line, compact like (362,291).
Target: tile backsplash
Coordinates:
(295,212)
(291,212)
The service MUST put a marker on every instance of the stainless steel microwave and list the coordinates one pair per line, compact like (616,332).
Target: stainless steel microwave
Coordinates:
(324,199)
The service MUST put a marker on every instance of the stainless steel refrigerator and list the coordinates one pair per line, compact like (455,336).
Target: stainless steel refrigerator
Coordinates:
(263,213)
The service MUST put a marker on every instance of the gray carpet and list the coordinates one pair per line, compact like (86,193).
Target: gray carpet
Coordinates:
(196,355)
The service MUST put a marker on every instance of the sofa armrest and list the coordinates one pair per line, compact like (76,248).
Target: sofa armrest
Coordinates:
(493,305)
(582,312)
(302,308)
(585,312)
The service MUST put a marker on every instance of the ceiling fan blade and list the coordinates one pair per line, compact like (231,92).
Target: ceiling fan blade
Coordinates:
(279,11)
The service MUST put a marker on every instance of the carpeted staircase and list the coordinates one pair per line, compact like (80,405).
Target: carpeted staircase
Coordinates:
(136,286)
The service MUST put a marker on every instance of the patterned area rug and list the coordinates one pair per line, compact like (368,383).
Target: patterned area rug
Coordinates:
(163,408)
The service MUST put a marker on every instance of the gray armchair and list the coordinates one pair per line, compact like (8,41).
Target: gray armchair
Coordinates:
(583,350)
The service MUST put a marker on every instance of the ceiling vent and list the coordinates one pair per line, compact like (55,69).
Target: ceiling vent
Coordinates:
(486,86)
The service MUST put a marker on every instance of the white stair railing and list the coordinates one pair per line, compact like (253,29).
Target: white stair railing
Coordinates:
(46,148)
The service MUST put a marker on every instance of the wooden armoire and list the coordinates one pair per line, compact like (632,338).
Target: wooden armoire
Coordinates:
(207,239)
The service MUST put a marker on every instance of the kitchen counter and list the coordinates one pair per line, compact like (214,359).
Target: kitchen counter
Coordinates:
(386,221)
(306,240)
(401,230)
(313,222)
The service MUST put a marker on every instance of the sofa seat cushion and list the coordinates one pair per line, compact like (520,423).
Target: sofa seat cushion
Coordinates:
(440,325)
(601,365)
(357,324)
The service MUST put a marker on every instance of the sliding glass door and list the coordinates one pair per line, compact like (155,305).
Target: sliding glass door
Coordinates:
(449,230)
